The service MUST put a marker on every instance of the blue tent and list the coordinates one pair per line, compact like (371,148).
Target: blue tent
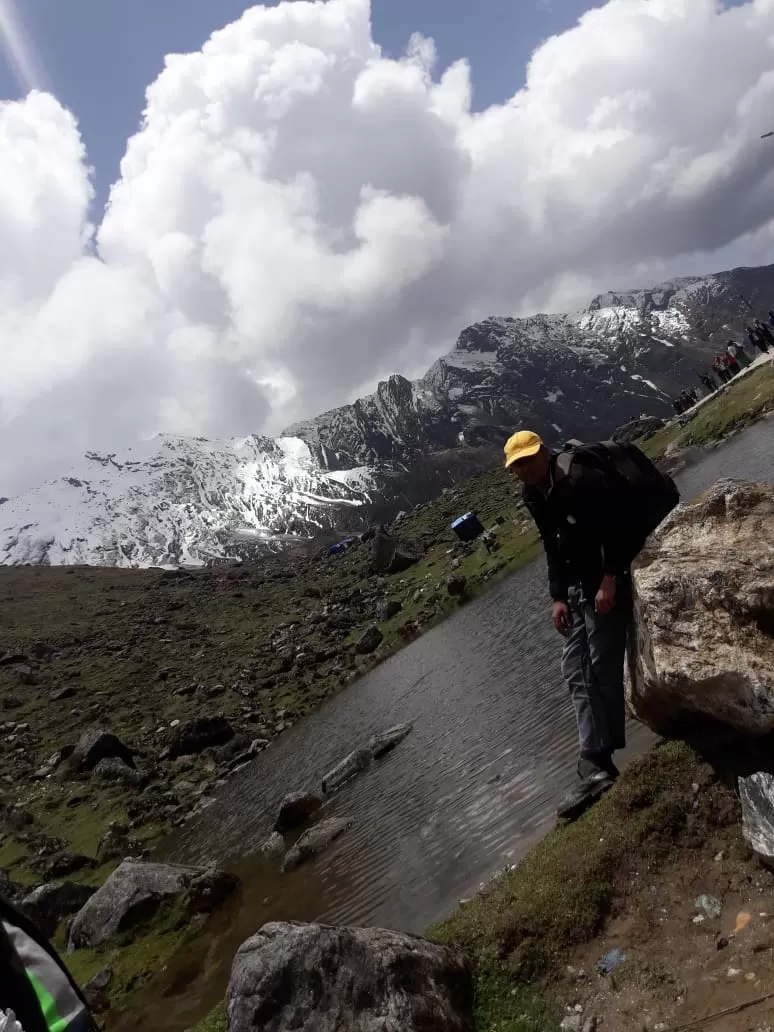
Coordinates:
(467,527)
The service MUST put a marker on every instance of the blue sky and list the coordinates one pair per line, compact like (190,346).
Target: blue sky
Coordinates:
(98,56)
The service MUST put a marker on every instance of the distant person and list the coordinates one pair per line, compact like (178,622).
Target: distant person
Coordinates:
(593,512)
(737,354)
(679,406)
(765,334)
(743,356)
(720,368)
(731,364)
(771,318)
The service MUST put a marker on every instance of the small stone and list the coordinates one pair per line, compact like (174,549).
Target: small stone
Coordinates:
(370,641)
(710,906)
(721,942)
(733,972)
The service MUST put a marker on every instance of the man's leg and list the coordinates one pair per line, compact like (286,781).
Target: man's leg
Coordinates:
(606,637)
(595,769)
(594,731)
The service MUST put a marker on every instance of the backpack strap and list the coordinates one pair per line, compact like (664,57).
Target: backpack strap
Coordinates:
(60,1003)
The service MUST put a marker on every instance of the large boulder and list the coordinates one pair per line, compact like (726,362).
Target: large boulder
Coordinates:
(134,892)
(293,976)
(49,903)
(314,841)
(95,745)
(702,644)
(756,794)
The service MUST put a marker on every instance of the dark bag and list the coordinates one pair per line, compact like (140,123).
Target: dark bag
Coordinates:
(647,495)
(34,982)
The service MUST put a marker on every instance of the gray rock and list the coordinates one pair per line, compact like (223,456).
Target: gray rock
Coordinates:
(756,794)
(457,585)
(17,819)
(370,641)
(314,841)
(25,674)
(115,843)
(387,608)
(98,744)
(133,893)
(638,429)
(59,694)
(351,765)
(66,864)
(11,890)
(292,976)
(700,646)
(100,981)
(52,763)
(210,889)
(193,736)
(113,769)
(48,904)
(273,846)
(378,745)
(296,809)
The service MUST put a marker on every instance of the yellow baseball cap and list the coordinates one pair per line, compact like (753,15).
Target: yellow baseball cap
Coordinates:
(522,445)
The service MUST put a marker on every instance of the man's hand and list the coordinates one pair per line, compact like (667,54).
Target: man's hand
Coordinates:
(604,603)
(561,616)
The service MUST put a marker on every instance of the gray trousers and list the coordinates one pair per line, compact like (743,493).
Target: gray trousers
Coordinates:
(593,667)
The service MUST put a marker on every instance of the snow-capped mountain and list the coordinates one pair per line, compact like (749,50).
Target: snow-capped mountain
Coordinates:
(179,500)
(580,374)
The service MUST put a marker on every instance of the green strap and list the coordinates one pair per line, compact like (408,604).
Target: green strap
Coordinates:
(48,1007)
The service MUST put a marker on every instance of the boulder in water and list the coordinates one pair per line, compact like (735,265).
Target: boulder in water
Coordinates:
(378,745)
(702,642)
(314,841)
(294,976)
(351,765)
(296,809)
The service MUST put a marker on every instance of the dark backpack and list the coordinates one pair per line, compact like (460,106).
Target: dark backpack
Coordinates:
(647,495)
(34,983)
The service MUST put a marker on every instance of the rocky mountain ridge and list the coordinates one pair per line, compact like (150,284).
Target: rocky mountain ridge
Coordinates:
(190,501)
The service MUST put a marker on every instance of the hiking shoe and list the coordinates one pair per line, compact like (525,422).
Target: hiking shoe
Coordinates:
(592,763)
(597,776)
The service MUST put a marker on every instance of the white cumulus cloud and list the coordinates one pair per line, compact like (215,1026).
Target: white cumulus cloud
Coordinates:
(299,214)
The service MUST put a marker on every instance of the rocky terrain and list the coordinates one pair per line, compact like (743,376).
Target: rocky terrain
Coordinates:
(187,501)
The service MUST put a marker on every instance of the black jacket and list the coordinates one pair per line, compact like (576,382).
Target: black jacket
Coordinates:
(581,521)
